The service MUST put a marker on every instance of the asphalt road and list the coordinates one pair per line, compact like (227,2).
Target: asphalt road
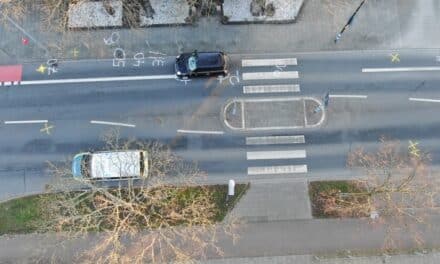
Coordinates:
(151,105)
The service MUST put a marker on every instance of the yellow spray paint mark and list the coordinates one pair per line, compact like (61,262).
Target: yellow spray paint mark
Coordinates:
(395,57)
(42,69)
(414,149)
(46,129)
(75,52)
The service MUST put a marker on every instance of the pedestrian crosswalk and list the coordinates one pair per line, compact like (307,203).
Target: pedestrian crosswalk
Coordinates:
(264,150)
(282,155)
(270,75)
(276,88)
(289,169)
(268,62)
(274,140)
(266,71)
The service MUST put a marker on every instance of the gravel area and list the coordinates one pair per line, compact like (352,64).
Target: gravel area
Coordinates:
(240,11)
(167,12)
(93,14)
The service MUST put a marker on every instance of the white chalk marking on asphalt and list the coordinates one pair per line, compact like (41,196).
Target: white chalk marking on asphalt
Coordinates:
(26,122)
(268,62)
(282,88)
(270,75)
(348,96)
(277,154)
(101,79)
(200,132)
(111,123)
(408,69)
(277,169)
(424,100)
(275,140)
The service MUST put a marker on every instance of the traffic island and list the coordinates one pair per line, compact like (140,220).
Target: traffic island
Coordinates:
(265,114)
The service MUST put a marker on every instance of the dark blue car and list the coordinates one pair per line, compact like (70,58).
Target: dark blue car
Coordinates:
(201,63)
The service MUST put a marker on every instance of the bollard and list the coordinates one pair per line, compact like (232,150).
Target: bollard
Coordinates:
(231,190)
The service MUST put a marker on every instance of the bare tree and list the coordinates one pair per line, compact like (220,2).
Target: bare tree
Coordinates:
(398,192)
(154,220)
(14,9)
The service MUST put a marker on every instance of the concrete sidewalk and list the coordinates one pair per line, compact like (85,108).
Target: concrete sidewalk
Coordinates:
(392,24)
(257,239)
(274,202)
(428,258)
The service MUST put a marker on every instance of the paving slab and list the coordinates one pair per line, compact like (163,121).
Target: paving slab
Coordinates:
(274,202)
(166,12)
(240,11)
(93,14)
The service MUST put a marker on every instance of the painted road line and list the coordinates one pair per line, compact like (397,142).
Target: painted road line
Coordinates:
(424,100)
(270,75)
(102,79)
(282,88)
(111,123)
(348,96)
(19,122)
(275,140)
(409,69)
(209,132)
(269,62)
(277,169)
(279,154)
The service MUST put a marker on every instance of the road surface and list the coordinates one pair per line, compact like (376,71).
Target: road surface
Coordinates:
(49,114)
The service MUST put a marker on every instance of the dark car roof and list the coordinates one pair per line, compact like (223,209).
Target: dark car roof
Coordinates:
(210,60)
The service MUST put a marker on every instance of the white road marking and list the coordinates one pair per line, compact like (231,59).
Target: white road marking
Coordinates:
(424,100)
(408,69)
(280,88)
(245,113)
(268,62)
(437,58)
(111,123)
(200,132)
(274,140)
(277,154)
(26,122)
(348,96)
(270,75)
(277,169)
(101,79)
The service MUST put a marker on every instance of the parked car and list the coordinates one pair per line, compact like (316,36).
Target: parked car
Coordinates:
(110,165)
(201,63)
